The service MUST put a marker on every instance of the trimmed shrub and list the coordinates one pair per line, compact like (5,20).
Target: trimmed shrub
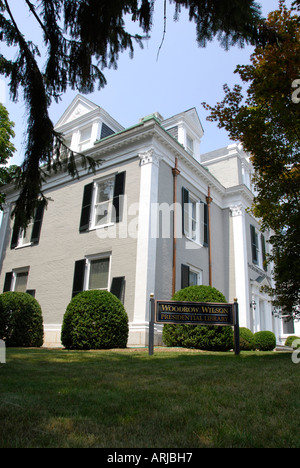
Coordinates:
(246,339)
(264,340)
(95,320)
(290,339)
(21,321)
(210,338)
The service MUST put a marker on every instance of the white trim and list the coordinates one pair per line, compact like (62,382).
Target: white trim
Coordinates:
(146,244)
(89,259)
(240,263)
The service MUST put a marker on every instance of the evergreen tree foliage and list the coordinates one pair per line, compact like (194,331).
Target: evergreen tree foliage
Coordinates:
(7,149)
(80,39)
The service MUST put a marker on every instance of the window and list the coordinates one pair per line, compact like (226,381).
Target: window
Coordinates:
(30,236)
(102,202)
(94,273)
(195,277)
(85,138)
(258,248)
(16,280)
(20,281)
(195,218)
(98,273)
(190,276)
(25,235)
(189,145)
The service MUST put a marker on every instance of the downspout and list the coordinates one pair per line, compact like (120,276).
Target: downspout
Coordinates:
(175,172)
(208,201)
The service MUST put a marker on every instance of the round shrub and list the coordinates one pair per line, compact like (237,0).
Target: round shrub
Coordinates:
(95,320)
(246,339)
(264,340)
(290,339)
(210,338)
(21,321)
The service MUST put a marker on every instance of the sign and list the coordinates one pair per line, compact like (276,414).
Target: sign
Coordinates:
(194,313)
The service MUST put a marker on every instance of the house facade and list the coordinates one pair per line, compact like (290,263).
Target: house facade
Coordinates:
(156,216)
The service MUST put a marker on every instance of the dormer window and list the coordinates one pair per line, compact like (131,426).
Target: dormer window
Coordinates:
(190,145)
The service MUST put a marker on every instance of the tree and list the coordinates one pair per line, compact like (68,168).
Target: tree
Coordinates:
(267,123)
(81,38)
(7,149)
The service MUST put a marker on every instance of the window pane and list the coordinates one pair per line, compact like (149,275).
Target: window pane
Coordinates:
(21,281)
(105,190)
(99,274)
(103,213)
(85,134)
(193,278)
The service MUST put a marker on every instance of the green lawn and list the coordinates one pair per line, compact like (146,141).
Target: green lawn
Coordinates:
(127,399)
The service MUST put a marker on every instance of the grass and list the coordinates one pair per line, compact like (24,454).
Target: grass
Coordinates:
(126,399)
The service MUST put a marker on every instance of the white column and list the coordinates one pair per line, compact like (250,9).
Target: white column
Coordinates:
(241,264)
(146,244)
(3,229)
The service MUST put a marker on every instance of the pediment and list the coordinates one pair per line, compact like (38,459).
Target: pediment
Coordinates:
(262,280)
(79,107)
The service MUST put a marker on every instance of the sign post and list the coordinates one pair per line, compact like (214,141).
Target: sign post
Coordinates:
(236,328)
(151,324)
(194,313)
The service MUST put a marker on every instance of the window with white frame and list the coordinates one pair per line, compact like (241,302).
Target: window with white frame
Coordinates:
(103,202)
(19,280)
(30,235)
(195,277)
(98,273)
(190,145)
(258,248)
(195,218)
(190,276)
(94,272)
(85,138)
(25,235)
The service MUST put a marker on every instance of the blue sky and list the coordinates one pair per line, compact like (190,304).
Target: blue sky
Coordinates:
(183,77)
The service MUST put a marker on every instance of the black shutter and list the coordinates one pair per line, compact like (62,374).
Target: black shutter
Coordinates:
(14,237)
(37,225)
(31,292)
(8,281)
(118,287)
(78,280)
(119,190)
(253,244)
(264,256)
(185,200)
(205,225)
(86,207)
(185,276)
(106,131)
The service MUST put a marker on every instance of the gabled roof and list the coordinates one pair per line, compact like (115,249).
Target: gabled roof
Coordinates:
(191,119)
(79,107)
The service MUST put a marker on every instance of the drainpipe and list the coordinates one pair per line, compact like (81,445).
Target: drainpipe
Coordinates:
(208,201)
(175,172)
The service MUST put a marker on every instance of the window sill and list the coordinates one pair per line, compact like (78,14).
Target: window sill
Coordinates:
(196,242)
(102,226)
(23,246)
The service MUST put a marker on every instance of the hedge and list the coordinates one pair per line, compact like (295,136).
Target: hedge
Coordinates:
(212,338)
(21,321)
(264,341)
(95,319)
(246,339)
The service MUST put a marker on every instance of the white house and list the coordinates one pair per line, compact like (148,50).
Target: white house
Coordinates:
(155,217)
